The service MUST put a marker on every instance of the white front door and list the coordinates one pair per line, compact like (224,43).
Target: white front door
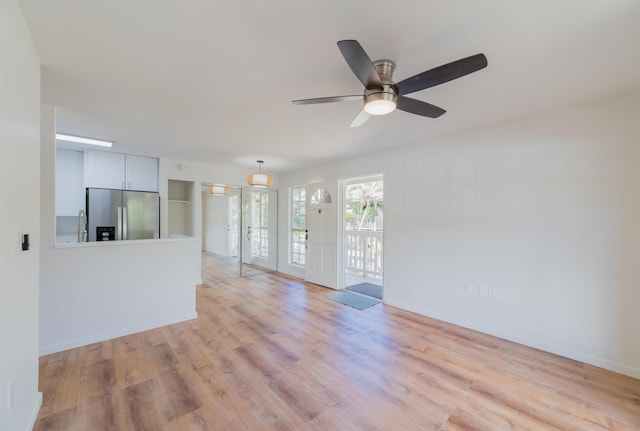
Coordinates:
(322,233)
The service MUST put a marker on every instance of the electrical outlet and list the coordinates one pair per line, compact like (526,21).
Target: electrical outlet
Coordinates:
(468,289)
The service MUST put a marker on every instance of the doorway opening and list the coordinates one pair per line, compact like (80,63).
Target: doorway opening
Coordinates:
(259,221)
(221,230)
(239,231)
(362,236)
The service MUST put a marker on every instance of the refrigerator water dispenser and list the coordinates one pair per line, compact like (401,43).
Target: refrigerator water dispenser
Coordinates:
(105,233)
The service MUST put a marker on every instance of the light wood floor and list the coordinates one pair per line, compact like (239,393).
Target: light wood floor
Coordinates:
(272,353)
(216,267)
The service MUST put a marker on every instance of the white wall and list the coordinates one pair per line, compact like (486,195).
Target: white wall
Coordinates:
(19,212)
(102,291)
(528,230)
(94,292)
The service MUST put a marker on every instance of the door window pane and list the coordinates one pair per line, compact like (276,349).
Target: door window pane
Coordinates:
(260,220)
(297,246)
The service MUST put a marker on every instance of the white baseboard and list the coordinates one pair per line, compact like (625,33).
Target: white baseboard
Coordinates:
(292,273)
(536,344)
(35,411)
(108,335)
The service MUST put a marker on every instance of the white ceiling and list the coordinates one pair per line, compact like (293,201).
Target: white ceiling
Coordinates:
(213,80)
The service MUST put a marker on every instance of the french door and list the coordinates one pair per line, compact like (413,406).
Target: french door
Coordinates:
(259,222)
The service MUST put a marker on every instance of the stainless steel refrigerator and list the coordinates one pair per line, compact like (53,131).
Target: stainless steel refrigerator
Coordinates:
(114,215)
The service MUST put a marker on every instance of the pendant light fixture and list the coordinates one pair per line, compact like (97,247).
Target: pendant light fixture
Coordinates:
(218,190)
(260,180)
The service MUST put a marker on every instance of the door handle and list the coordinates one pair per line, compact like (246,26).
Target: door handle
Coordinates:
(249,233)
(306,238)
(119,224)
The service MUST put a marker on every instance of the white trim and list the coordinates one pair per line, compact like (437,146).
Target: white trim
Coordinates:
(297,274)
(365,179)
(34,412)
(123,243)
(536,344)
(78,342)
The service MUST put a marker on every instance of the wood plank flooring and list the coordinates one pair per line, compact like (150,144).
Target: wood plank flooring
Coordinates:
(216,267)
(273,353)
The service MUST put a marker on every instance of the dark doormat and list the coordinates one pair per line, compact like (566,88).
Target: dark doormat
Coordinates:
(354,300)
(368,289)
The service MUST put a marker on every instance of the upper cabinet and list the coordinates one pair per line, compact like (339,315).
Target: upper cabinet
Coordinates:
(141,173)
(69,189)
(104,169)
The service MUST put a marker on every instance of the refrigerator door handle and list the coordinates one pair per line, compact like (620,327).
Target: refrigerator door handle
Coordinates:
(119,224)
(125,233)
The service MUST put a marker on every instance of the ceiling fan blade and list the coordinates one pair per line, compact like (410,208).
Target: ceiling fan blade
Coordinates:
(360,63)
(360,119)
(442,74)
(419,107)
(328,100)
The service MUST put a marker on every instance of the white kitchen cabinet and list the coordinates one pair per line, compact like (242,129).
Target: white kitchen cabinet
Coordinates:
(104,169)
(141,173)
(109,170)
(69,186)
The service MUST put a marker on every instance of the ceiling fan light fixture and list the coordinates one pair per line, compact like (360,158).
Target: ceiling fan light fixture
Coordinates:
(380,103)
(260,180)
(382,95)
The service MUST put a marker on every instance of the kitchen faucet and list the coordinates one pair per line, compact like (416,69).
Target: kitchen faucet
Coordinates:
(82,226)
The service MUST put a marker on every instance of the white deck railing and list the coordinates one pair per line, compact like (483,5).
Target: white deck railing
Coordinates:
(364,253)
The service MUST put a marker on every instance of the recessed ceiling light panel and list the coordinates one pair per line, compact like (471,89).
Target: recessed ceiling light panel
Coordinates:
(83,140)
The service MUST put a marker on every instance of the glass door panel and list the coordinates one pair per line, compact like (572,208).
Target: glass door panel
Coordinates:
(239,232)
(260,230)
(221,232)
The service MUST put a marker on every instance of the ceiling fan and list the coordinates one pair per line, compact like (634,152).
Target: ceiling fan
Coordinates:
(382,96)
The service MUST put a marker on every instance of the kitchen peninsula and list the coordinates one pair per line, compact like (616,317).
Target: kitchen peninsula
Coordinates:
(95,291)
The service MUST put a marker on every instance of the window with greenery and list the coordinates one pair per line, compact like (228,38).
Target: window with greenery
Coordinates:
(297,245)
(364,206)
(364,211)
